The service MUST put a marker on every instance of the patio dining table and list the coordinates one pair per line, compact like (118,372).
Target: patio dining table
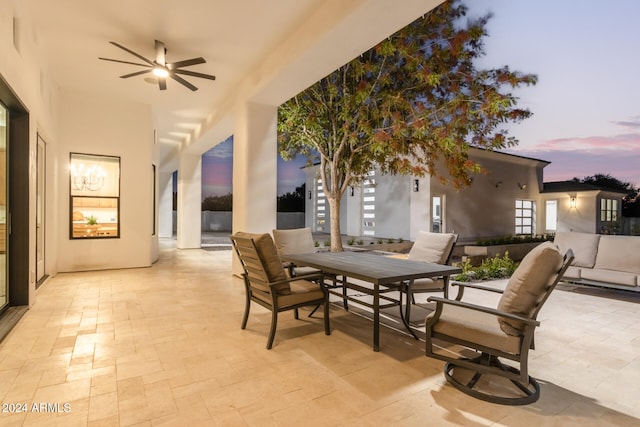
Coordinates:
(384,273)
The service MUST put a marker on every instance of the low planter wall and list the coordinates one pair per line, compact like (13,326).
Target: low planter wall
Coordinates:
(517,251)
(401,248)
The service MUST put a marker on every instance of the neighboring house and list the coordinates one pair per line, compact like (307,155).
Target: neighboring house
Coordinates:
(508,199)
(581,207)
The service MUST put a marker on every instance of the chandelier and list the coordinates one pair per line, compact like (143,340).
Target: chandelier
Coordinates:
(87,178)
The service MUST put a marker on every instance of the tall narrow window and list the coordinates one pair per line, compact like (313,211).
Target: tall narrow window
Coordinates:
(321,207)
(436,214)
(525,217)
(369,205)
(551,215)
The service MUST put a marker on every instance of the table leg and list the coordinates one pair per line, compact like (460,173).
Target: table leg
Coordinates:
(376,317)
(406,316)
(445,282)
(345,303)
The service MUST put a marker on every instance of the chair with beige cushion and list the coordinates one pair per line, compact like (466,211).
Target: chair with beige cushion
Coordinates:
(267,283)
(491,333)
(295,241)
(434,248)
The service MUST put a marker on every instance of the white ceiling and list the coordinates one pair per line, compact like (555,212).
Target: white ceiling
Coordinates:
(261,50)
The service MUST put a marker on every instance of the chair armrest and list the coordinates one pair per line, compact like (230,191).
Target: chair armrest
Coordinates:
(309,277)
(463,285)
(488,310)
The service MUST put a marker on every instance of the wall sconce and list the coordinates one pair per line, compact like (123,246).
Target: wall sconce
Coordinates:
(351,191)
(522,186)
(310,195)
(572,202)
(498,184)
(416,185)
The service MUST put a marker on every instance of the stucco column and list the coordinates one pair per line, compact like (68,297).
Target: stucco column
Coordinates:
(165,204)
(189,201)
(255,166)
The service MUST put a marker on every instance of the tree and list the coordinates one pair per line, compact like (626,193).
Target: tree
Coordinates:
(630,202)
(292,201)
(218,203)
(414,99)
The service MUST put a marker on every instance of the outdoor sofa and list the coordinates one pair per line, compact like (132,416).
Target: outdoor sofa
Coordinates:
(602,260)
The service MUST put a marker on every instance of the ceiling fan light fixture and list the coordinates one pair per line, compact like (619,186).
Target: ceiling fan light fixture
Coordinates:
(160,72)
(161,69)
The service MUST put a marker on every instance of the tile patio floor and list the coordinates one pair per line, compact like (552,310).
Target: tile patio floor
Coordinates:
(162,346)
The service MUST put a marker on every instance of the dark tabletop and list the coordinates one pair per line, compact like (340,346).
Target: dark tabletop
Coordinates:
(376,269)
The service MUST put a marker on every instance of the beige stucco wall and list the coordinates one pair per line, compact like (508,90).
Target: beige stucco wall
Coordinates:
(113,128)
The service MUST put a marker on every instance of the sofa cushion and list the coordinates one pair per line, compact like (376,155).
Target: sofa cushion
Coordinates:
(573,273)
(620,253)
(432,247)
(584,246)
(610,276)
(536,272)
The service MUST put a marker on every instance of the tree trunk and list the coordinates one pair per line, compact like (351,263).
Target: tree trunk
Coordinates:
(334,215)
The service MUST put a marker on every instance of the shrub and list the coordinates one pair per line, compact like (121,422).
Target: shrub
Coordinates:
(351,241)
(491,268)
(506,240)
(327,243)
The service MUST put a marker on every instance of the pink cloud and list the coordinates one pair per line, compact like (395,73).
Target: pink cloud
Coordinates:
(566,164)
(629,142)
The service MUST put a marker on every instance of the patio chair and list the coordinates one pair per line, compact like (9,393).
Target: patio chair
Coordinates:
(295,241)
(267,284)
(428,247)
(492,333)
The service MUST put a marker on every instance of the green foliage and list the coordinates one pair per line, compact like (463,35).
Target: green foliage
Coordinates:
(327,243)
(316,244)
(218,203)
(351,241)
(92,220)
(380,241)
(390,240)
(491,268)
(415,99)
(360,242)
(508,240)
(293,201)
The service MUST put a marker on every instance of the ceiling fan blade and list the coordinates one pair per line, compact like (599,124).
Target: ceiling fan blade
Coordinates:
(160,53)
(183,82)
(123,62)
(162,83)
(132,53)
(186,63)
(194,74)
(137,73)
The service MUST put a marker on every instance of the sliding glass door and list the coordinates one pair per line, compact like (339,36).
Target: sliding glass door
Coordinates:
(4,241)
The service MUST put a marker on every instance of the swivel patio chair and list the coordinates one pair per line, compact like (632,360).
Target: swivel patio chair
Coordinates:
(267,284)
(491,334)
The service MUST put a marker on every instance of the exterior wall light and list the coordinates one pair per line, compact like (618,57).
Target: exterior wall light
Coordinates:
(416,185)
(572,202)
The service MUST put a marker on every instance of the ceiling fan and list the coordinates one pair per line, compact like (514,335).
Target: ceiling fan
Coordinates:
(162,69)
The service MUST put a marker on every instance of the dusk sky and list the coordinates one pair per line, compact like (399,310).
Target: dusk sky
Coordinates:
(586,104)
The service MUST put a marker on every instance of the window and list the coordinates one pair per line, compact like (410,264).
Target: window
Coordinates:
(369,205)
(551,215)
(608,210)
(525,217)
(94,186)
(436,214)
